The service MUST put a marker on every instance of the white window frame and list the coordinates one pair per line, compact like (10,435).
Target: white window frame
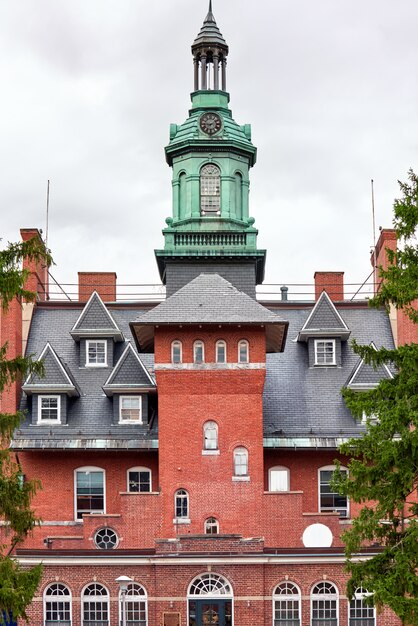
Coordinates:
(195,344)
(138,469)
(121,408)
(240,451)
(286,597)
(173,344)
(57,598)
(247,345)
(219,343)
(89,468)
(285,470)
(211,522)
(101,598)
(49,421)
(359,595)
(96,341)
(133,598)
(332,468)
(334,356)
(181,518)
(212,426)
(317,597)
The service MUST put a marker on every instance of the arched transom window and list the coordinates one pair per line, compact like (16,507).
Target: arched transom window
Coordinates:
(361,610)
(135,605)
(95,605)
(210,600)
(210,190)
(324,604)
(210,585)
(57,599)
(286,605)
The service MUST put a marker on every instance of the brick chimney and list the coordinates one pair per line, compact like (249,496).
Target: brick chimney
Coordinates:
(38,279)
(102,282)
(332,283)
(379,257)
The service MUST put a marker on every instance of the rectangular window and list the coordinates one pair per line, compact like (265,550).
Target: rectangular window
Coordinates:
(324,613)
(49,409)
(96,353)
(329,500)
(279,479)
(325,352)
(89,492)
(139,481)
(130,409)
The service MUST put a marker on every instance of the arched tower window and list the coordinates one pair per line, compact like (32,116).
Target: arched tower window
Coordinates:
(181,504)
(238,195)
(240,462)
(211,526)
(182,194)
(210,436)
(57,603)
(210,190)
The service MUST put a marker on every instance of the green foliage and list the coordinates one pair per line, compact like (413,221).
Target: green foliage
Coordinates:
(17,585)
(383,470)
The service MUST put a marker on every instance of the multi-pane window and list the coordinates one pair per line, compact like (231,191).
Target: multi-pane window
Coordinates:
(210,189)
(243,352)
(198,352)
(220,351)
(130,409)
(176,352)
(240,462)
(89,491)
(96,353)
(278,479)
(211,526)
(324,352)
(286,601)
(210,436)
(57,600)
(135,606)
(324,605)
(139,480)
(49,409)
(330,500)
(361,610)
(181,504)
(95,609)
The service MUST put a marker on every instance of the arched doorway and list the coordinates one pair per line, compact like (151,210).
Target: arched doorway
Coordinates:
(210,601)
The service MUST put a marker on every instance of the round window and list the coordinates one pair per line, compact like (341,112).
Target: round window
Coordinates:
(106,539)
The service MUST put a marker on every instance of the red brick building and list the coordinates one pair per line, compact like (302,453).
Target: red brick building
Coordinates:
(189,446)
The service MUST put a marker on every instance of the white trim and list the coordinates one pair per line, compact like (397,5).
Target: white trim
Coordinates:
(89,468)
(121,361)
(366,386)
(211,452)
(334,352)
(74,328)
(221,341)
(175,341)
(49,421)
(97,341)
(69,599)
(210,366)
(139,468)
(130,421)
(240,479)
(226,596)
(323,295)
(239,350)
(331,468)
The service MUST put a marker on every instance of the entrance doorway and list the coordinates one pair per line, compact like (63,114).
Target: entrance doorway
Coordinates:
(210,612)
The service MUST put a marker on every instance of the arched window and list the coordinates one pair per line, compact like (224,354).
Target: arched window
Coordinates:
(324,604)
(210,600)
(221,351)
(135,606)
(279,478)
(57,605)
(210,436)
(329,499)
(198,352)
(211,526)
(139,479)
(240,462)
(182,194)
(238,195)
(210,190)
(286,605)
(361,613)
(89,491)
(181,504)
(176,352)
(243,351)
(95,605)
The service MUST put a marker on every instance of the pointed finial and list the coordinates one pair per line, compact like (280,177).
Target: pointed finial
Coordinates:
(210,6)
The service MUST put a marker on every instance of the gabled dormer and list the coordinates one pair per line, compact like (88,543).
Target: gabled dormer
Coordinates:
(365,377)
(324,330)
(96,330)
(51,391)
(129,384)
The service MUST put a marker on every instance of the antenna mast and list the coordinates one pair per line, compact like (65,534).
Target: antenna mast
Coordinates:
(374,222)
(47,214)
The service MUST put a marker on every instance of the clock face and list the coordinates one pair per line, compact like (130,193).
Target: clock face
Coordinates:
(210,123)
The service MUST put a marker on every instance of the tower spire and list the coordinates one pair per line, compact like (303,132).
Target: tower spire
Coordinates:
(209,51)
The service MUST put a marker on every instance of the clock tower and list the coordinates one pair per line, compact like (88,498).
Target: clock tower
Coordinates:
(210,229)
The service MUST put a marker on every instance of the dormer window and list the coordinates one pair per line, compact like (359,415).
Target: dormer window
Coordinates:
(130,410)
(49,409)
(210,190)
(96,353)
(325,352)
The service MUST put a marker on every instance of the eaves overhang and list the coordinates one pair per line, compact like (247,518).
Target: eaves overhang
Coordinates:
(110,390)
(330,333)
(199,145)
(317,443)
(83,443)
(69,390)
(92,333)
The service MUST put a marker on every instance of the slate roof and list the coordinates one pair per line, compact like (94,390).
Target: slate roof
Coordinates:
(324,319)
(210,299)
(365,376)
(302,405)
(129,374)
(96,320)
(57,377)
(210,33)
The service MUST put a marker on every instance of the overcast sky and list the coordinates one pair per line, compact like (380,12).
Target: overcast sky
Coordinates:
(89,88)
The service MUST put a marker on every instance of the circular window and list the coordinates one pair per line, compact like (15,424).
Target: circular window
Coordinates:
(106,539)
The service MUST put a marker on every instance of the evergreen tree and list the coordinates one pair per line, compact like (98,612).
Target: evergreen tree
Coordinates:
(383,471)
(17,585)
